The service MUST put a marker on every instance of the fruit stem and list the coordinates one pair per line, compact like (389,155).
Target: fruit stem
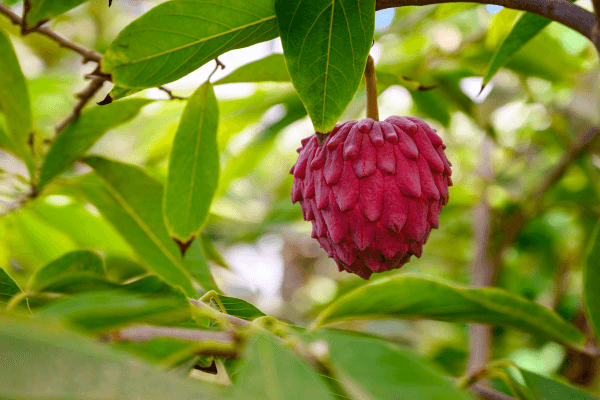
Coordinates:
(371,85)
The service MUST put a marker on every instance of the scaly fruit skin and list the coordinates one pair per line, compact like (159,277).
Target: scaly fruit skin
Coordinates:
(373,191)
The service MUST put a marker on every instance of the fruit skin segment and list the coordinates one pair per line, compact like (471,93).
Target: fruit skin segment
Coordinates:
(373,191)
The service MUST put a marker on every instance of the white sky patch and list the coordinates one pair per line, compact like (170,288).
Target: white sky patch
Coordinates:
(472,86)
(384,18)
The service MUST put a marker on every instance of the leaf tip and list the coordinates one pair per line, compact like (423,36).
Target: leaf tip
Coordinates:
(183,246)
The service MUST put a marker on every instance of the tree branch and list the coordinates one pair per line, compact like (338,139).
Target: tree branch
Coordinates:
(84,97)
(562,11)
(88,55)
(488,394)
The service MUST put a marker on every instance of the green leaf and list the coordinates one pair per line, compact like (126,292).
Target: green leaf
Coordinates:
(14,101)
(270,371)
(80,135)
(269,69)
(8,288)
(131,201)
(107,311)
(591,280)
(43,360)
(414,297)
(239,308)
(77,261)
(525,29)
(196,264)
(369,368)
(177,37)
(45,9)
(193,167)
(211,253)
(326,44)
(118,92)
(547,389)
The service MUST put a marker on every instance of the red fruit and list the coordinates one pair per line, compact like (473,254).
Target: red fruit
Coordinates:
(373,191)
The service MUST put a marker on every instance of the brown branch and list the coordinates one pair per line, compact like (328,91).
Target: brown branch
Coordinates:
(562,11)
(143,333)
(488,394)
(84,97)
(170,94)
(88,55)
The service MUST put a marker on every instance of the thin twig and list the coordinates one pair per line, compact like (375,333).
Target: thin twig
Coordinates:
(143,333)
(170,93)
(488,394)
(88,55)
(83,96)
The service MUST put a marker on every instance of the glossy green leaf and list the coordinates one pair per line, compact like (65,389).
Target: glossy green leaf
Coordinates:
(81,134)
(40,10)
(591,280)
(271,371)
(525,29)
(108,311)
(77,282)
(118,92)
(269,69)
(8,288)
(414,297)
(177,37)
(379,370)
(326,44)
(239,308)
(14,100)
(548,389)
(43,360)
(77,261)
(131,201)
(193,167)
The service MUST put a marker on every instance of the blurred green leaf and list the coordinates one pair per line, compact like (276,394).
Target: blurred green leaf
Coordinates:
(193,167)
(239,308)
(446,10)
(43,360)
(107,311)
(269,69)
(77,261)
(82,133)
(14,101)
(45,9)
(414,297)
(211,253)
(430,104)
(132,202)
(8,288)
(118,92)
(381,370)
(162,350)
(547,389)
(326,52)
(177,37)
(591,280)
(271,371)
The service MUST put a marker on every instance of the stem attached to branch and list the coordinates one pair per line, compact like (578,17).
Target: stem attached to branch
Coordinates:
(371,85)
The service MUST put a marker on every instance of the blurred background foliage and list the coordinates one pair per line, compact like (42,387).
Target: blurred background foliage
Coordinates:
(525,121)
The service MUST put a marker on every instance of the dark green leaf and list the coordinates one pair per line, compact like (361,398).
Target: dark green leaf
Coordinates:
(77,261)
(81,134)
(14,100)
(269,69)
(108,311)
(591,280)
(547,389)
(270,371)
(326,44)
(43,360)
(45,9)
(414,297)
(132,202)
(78,282)
(193,167)
(8,288)
(370,368)
(177,37)
(239,308)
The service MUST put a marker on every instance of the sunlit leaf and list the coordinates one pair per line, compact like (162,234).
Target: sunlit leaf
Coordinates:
(43,360)
(81,134)
(8,288)
(591,280)
(193,167)
(380,370)
(131,201)
(414,297)
(77,261)
(45,9)
(239,308)
(177,37)
(271,371)
(14,101)
(269,69)
(326,44)
(547,389)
